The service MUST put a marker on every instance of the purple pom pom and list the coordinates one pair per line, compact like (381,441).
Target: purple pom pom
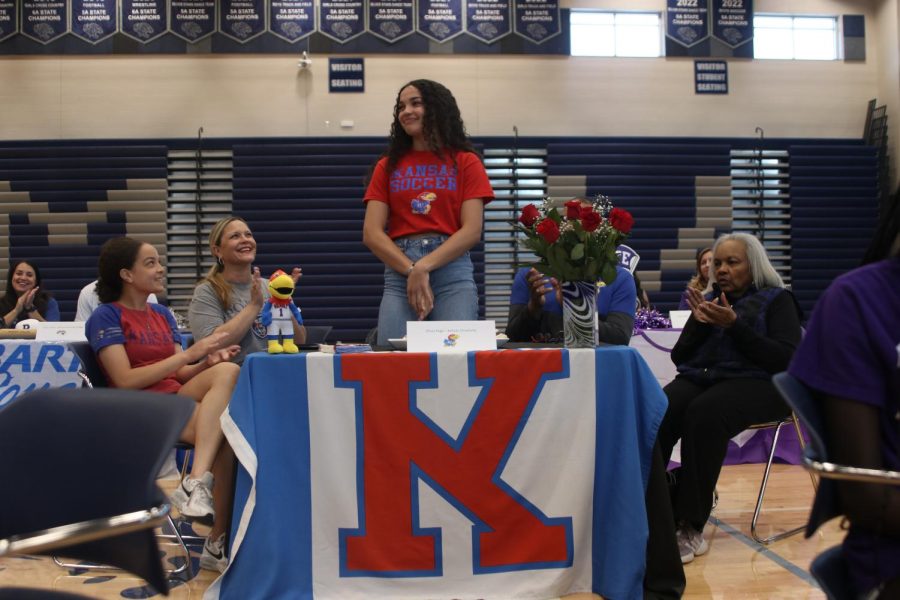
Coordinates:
(650,318)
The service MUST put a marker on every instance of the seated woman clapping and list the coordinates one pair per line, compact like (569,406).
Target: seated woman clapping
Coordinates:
(24,298)
(139,347)
(737,337)
(231,296)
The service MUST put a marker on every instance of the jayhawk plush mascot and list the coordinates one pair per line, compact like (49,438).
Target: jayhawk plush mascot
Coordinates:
(276,314)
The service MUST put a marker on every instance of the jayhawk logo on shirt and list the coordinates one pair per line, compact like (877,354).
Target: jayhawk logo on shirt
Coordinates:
(421,204)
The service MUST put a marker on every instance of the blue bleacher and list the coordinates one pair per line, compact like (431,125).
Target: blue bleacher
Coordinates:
(834,204)
(654,179)
(304,204)
(66,176)
(302,198)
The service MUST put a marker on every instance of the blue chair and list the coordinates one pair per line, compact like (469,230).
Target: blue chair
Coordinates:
(830,571)
(828,568)
(816,455)
(106,514)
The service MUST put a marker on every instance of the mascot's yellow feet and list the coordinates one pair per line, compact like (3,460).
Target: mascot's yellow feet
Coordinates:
(290,347)
(275,347)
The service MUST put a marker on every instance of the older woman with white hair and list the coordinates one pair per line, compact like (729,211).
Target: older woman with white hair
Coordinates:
(740,333)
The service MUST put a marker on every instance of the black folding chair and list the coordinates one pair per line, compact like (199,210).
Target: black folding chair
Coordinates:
(317,334)
(828,568)
(92,377)
(105,514)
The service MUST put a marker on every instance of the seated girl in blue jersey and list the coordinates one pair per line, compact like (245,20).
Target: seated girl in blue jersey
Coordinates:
(138,346)
(24,298)
(535,309)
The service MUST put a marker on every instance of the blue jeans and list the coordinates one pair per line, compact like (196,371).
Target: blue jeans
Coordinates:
(453,285)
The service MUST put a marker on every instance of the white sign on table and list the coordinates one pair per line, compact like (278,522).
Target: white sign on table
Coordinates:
(27,365)
(454,336)
(60,331)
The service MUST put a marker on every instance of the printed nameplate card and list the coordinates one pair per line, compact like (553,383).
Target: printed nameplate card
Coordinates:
(56,331)
(443,336)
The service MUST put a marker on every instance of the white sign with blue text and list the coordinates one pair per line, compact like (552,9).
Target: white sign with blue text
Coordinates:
(27,365)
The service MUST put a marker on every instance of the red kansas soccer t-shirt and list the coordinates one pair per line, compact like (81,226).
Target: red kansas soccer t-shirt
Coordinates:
(425,193)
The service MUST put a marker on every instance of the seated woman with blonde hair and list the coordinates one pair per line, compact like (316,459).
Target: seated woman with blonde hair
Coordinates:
(138,346)
(231,296)
(700,280)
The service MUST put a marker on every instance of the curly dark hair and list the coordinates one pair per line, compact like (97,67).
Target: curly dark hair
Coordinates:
(442,126)
(116,254)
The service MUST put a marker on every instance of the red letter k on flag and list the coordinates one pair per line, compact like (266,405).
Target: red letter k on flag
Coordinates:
(397,448)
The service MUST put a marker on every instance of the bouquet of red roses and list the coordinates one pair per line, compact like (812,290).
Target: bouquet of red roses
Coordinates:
(576,242)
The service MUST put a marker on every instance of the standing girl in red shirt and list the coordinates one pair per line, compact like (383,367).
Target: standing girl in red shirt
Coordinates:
(424,212)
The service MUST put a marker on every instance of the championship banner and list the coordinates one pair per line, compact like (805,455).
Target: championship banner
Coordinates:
(732,22)
(439,20)
(341,20)
(144,20)
(27,365)
(292,20)
(391,20)
(242,20)
(9,19)
(687,24)
(537,20)
(94,20)
(488,20)
(513,474)
(44,21)
(192,20)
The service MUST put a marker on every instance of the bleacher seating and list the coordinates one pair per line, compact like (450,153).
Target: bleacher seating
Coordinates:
(834,207)
(302,197)
(303,202)
(678,193)
(61,202)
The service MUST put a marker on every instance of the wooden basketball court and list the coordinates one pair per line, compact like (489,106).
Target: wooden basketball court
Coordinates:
(735,567)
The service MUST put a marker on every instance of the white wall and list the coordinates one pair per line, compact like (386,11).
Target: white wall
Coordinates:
(887,18)
(77,97)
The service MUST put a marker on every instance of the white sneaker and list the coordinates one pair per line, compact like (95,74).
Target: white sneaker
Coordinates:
(193,498)
(213,557)
(181,495)
(690,543)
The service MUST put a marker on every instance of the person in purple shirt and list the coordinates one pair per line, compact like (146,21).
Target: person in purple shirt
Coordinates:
(850,357)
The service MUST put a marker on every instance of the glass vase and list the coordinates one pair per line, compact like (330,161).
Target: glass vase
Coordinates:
(579,314)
